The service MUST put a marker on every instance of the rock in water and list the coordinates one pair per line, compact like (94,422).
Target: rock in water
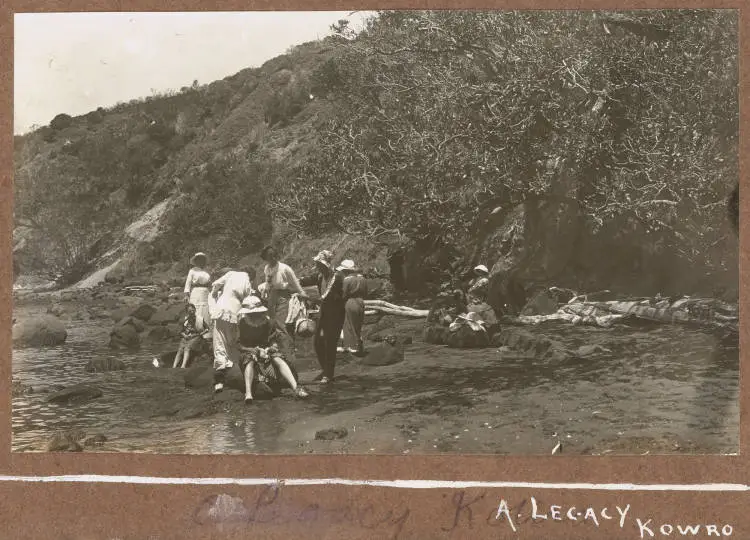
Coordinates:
(124,337)
(66,441)
(98,365)
(202,376)
(42,331)
(167,314)
(384,354)
(95,440)
(144,312)
(20,389)
(330,434)
(75,394)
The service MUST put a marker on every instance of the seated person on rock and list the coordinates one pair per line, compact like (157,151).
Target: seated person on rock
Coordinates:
(192,336)
(479,286)
(260,344)
(444,310)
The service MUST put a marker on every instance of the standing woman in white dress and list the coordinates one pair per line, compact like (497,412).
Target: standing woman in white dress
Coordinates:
(197,290)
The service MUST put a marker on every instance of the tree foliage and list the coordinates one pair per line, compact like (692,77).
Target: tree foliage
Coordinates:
(632,117)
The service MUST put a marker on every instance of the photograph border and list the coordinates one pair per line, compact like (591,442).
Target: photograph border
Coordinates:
(517,470)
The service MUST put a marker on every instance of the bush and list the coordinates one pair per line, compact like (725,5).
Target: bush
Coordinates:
(61,121)
(225,214)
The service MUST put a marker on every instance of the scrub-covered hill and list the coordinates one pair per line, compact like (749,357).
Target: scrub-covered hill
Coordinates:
(589,150)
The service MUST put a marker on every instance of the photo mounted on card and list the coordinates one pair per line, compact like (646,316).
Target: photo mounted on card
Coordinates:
(392,232)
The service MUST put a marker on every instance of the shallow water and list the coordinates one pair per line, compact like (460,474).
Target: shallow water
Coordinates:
(668,381)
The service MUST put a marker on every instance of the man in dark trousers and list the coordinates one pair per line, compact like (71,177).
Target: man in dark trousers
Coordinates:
(332,313)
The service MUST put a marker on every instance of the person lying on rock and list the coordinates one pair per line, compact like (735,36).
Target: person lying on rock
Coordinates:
(260,344)
(192,335)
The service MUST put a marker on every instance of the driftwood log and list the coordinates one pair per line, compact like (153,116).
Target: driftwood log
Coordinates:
(392,309)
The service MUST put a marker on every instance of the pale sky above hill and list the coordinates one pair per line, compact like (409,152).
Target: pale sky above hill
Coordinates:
(75,62)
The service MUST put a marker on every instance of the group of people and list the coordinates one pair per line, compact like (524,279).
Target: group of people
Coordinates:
(254,326)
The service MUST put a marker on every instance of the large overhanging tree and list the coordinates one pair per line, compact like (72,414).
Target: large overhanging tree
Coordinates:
(445,115)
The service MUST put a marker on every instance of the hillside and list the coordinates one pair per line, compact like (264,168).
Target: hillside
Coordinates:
(584,150)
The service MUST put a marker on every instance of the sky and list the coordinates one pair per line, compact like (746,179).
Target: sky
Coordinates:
(75,62)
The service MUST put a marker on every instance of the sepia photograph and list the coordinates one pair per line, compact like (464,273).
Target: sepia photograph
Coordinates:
(376,232)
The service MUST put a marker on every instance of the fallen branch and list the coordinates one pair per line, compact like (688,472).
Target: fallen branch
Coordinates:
(392,309)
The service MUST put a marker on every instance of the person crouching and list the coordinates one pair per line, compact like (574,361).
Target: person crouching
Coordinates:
(260,343)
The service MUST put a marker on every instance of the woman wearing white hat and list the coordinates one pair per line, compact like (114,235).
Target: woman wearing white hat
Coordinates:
(355,292)
(261,356)
(197,290)
(478,287)
(330,322)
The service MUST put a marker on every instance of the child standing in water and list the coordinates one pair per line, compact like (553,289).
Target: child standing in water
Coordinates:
(192,335)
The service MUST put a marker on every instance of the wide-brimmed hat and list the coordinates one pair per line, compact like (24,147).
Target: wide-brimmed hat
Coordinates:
(481,268)
(199,256)
(324,257)
(347,266)
(252,304)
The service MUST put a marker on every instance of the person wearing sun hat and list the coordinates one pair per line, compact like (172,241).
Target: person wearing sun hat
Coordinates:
(355,292)
(479,286)
(323,272)
(331,316)
(261,344)
(197,290)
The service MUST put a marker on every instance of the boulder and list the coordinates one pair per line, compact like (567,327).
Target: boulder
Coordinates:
(166,314)
(137,324)
(66,441)
(484,310)
(56,310)
(95,440)
(124,337)
(506,294)
(119,314)
(202,376)
(42,331)
(331,434)
(546,301)
(531,344)
(20,389)
(384,354)
(143,312)
(466,338)
(159,333)
(75,394)
(435,334)
(100,365)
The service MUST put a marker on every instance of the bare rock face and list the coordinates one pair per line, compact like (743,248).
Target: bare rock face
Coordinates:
(42,331)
